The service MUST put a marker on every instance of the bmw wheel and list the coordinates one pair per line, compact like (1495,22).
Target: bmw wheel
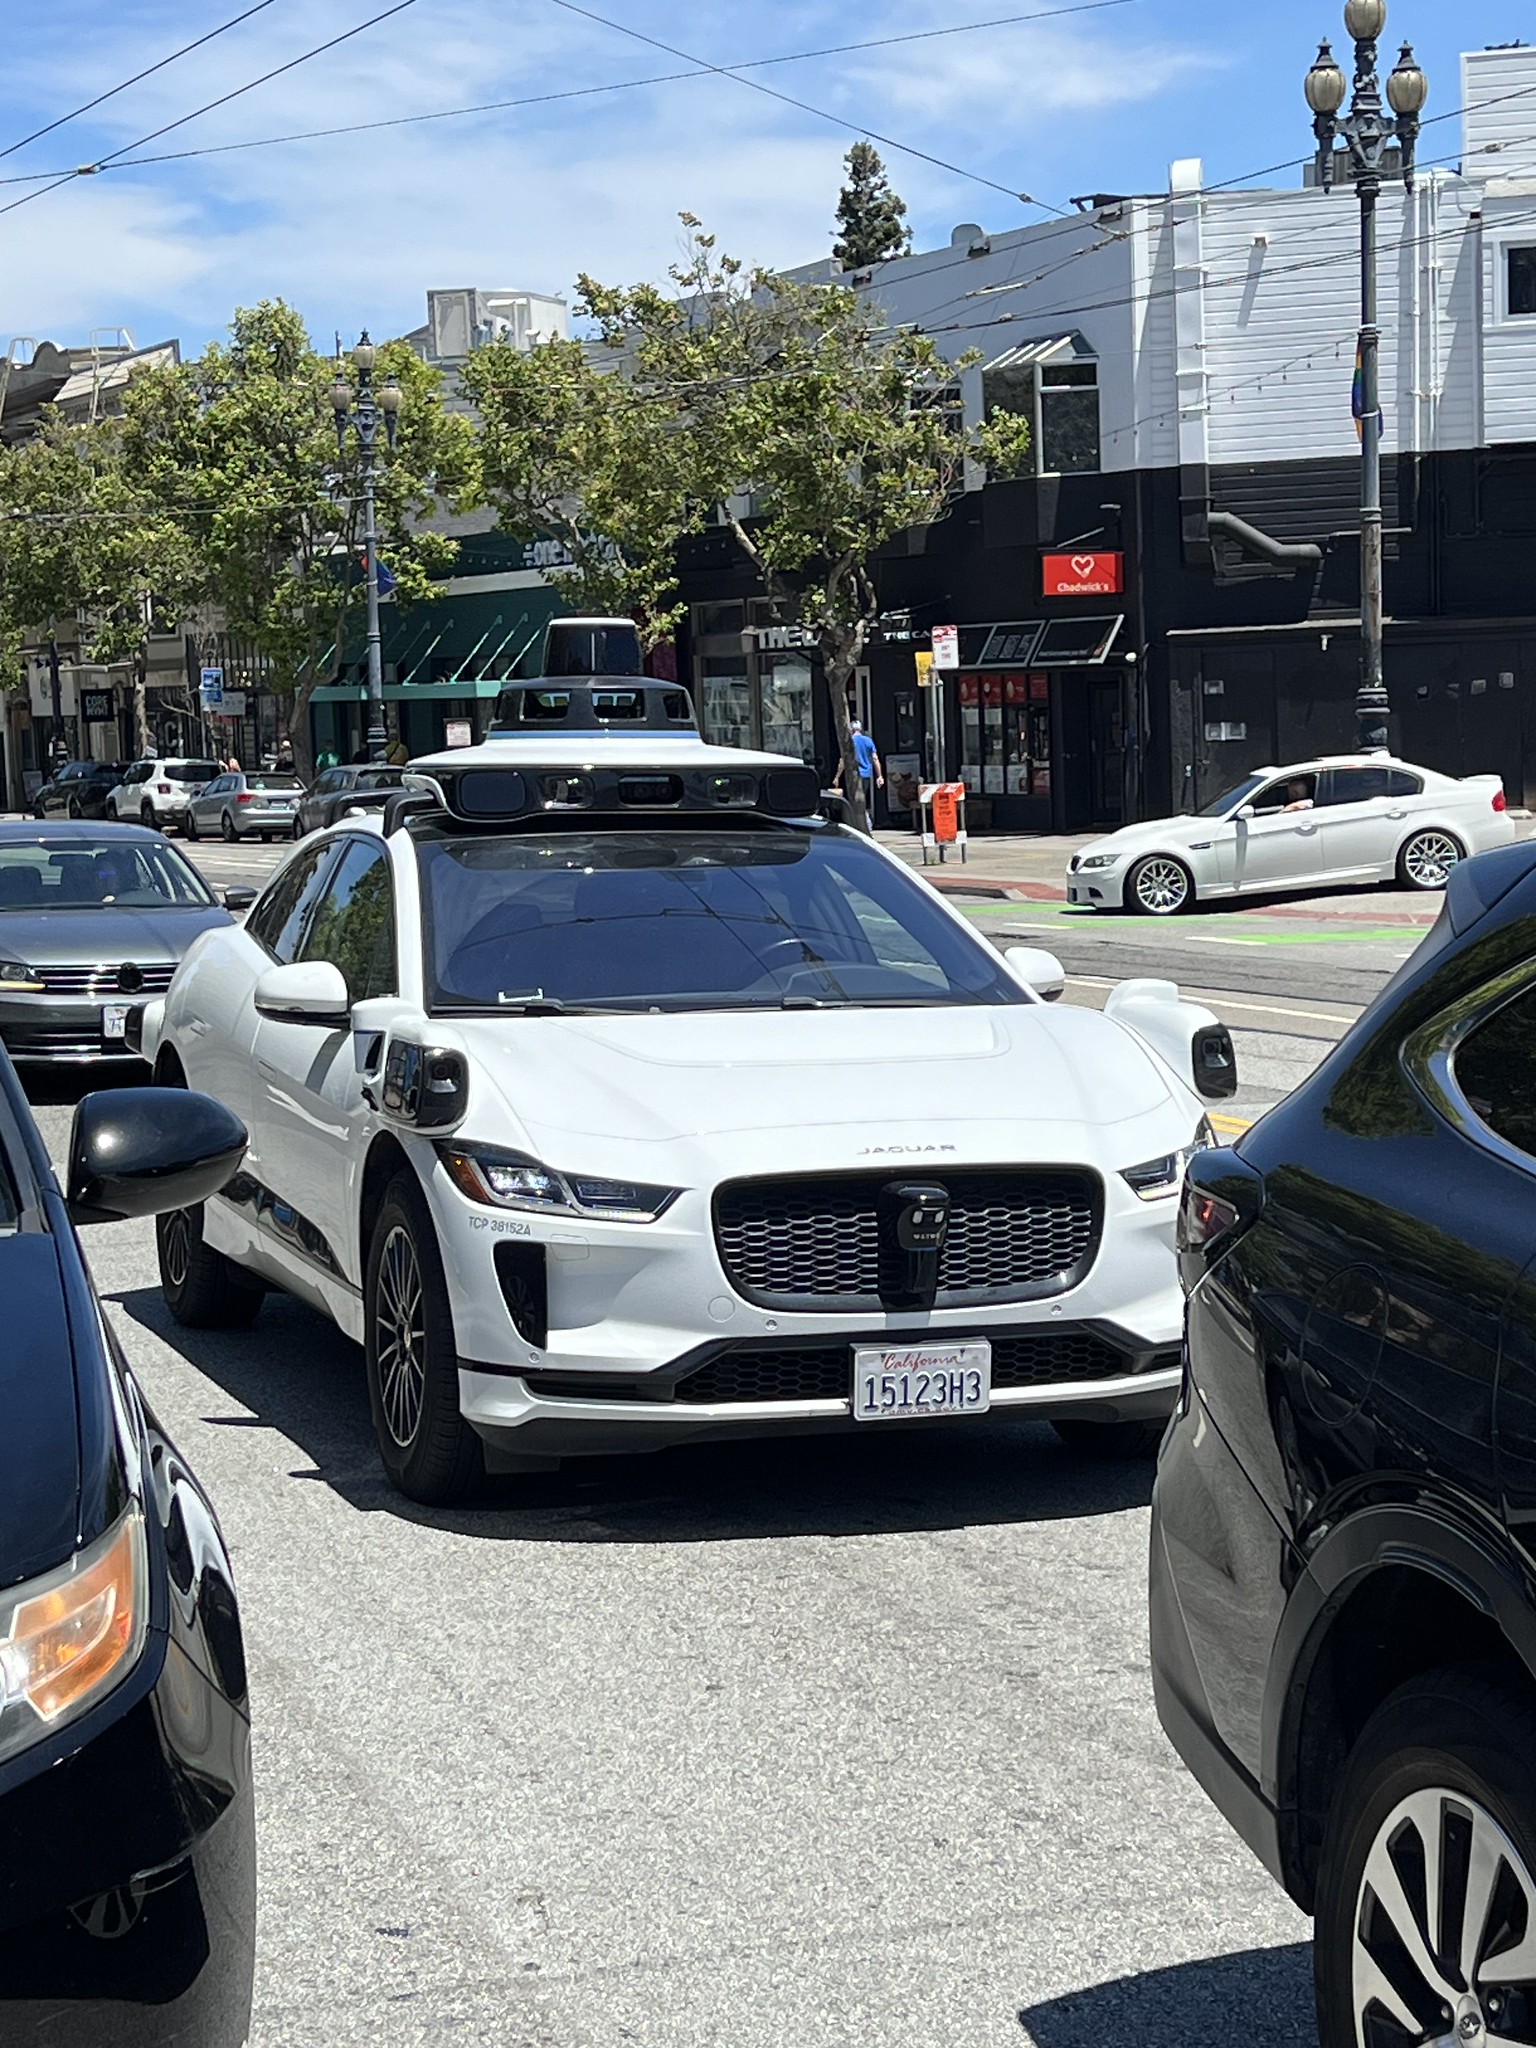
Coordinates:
(428,1450)
(1159,886)
(1426,1907)
(227,829)
(1427,859)
(203,1290)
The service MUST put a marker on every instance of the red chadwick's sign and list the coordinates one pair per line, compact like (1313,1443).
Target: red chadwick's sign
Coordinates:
(1084,575)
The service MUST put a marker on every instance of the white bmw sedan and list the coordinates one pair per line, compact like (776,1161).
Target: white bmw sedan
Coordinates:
(612,1102)
(1324,824)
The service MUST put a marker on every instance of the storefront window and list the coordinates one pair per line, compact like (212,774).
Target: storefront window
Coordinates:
(750,694)
(785,682)
(725,710)
(1005,734)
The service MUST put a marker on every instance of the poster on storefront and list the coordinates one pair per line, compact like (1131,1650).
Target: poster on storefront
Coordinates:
(903,778)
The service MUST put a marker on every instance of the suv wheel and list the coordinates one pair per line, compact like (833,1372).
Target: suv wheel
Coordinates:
(147,816)
(1426,1906)
(429,1451)
(202,1289)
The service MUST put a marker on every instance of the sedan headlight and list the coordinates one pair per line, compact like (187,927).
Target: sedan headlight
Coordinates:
(1091,862)
(1157,1179)
(17,979)
(511,1180)
(67,1638)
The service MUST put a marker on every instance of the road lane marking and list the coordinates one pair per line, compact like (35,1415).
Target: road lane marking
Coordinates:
(1230,1003)
(1235,1124)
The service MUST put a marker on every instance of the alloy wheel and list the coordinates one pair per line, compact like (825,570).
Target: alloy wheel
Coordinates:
(1162,886)
(400,1337)
(1444,1947)
(176,1247)
(1428,859)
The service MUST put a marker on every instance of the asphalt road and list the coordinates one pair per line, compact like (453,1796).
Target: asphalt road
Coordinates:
(820,1744)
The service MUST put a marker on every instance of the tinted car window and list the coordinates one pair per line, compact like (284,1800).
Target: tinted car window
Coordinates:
(1401,783)
(691,921)
(278,922)
(355,923)
(191,771)
(43,875)
(138,774)
(1354,785)
(1496,1072)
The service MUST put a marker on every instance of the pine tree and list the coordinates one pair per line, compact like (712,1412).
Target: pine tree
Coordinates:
(872,219)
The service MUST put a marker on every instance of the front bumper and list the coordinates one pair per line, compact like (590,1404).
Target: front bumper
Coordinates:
(1097,888)
(61,1029)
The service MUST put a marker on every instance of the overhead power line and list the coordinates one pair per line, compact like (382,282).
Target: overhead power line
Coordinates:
(581,92)
(148,72)
(223,100)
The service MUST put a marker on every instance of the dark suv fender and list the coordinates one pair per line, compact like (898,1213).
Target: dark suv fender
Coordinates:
(1392,1590)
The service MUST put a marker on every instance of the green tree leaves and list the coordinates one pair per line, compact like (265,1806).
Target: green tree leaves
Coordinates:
(871,220)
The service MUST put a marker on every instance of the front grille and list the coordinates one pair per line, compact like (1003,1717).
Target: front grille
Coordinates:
(1015,1234)
(119,978)
(56,1042)
(824,1372)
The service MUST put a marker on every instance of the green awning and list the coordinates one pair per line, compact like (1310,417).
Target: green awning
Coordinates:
(357,693)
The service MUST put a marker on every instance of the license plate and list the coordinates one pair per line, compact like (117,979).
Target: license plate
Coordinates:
(114,1020)
(921,1379)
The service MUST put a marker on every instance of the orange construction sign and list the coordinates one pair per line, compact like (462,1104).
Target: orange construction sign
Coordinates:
(947,798)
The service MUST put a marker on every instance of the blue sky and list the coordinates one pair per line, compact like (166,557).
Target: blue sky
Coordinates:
(355,229)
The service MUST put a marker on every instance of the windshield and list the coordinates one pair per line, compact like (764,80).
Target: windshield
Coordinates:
(1249,786)
(43,874)
(273,782)
(692,921)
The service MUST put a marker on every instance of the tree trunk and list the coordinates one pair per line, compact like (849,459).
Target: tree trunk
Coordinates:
(839,658)
(298,729)
(141,733)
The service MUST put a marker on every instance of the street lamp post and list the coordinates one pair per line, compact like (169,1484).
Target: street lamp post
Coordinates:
(1367,129)
(365,413)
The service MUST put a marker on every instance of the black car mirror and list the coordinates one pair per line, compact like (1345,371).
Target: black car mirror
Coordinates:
(141,1151)
(239,899)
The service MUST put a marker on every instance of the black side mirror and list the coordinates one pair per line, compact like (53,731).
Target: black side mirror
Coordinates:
(141,1151)
(1215,1063)
(239,899)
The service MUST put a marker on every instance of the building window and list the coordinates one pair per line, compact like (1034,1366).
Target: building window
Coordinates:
(1061,403)
(750,693)
(1522,282)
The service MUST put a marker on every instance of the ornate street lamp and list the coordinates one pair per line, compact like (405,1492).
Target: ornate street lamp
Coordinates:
(365,414)
(1367,130)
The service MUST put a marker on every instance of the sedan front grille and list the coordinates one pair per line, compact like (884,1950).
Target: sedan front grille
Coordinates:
(1015,1234)
(107,981)
(58,1042)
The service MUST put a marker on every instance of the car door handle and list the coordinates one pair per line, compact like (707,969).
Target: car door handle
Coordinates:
(1306,829)
(1397,814)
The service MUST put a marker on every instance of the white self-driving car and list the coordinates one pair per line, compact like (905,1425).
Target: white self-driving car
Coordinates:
(613,1097)
(1321,825)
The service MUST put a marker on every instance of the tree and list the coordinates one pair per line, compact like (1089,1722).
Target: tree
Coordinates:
(797,401)
(583,457)
(240,445)
(83,542)
(871,219)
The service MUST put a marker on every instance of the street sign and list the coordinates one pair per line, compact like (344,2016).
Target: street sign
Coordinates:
(231,704)
(213,688)
(924,662)
(458,732)
(1081,575)
(946,646)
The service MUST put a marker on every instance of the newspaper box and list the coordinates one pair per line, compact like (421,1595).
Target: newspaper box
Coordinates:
(943,819)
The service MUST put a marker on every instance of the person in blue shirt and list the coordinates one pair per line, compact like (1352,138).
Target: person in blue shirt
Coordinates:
(871,774)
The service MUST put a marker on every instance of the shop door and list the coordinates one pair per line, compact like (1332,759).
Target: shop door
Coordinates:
(1106,751)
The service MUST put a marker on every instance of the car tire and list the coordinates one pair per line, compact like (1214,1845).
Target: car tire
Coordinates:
(1111,1439)
(111,813)
(190,827)
(227,830)
(203,1290)
(147,817)
(75,810)
(1426,860)
(296,829)
(1454,1752)
(1159,886)
(428,1450)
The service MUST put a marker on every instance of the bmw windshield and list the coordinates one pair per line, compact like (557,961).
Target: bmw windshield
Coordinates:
(689,920)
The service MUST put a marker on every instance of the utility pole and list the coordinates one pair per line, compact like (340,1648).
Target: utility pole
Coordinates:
(369,409)
(59,748)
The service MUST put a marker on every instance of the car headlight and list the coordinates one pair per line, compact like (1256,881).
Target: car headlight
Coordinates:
(511,1180)
(1156,1179)
(1092,862)
(18,979)
(67,1638)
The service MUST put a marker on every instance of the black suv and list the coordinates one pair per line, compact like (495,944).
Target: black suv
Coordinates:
(1343,1583)
(78,790)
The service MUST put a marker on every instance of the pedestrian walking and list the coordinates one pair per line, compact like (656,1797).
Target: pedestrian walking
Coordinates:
(871,773)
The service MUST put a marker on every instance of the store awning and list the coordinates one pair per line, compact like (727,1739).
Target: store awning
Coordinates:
(1025,355)
(413,693)
(1041,643)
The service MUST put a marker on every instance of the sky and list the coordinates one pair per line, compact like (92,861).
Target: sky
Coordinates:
(354,229)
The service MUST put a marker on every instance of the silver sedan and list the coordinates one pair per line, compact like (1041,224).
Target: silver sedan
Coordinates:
(246,806)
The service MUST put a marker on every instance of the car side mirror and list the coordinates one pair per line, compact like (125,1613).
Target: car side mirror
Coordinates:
(1193,1041)
(305,992)
(239,899)
(1247,811)
(141,1151)
(1038,970)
